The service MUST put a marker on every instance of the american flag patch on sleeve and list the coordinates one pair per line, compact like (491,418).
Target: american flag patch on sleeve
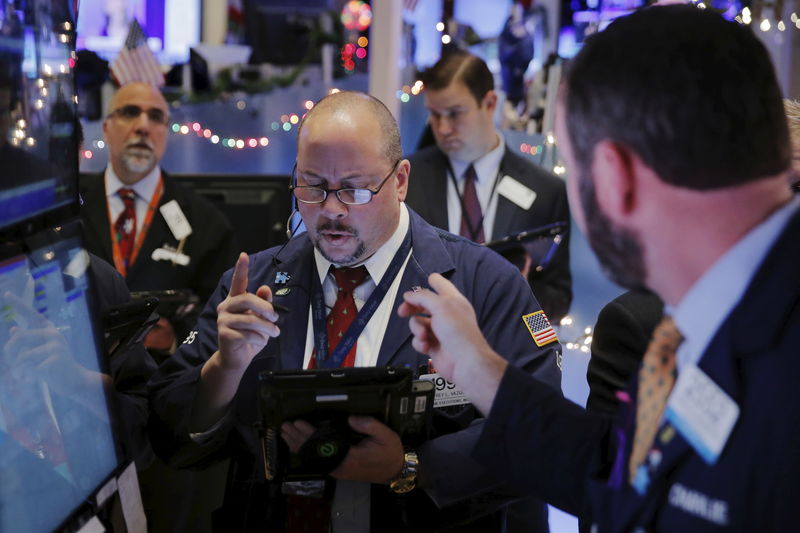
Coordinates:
(540,328)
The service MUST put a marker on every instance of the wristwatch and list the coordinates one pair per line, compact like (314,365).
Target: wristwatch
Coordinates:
(407,479)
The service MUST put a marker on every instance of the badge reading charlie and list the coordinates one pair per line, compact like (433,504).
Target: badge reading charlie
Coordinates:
(540,328)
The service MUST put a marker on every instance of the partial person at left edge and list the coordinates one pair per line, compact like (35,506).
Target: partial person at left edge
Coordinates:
(126,211)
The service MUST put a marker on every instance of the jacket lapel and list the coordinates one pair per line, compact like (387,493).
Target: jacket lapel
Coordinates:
(428,255)
(294,325)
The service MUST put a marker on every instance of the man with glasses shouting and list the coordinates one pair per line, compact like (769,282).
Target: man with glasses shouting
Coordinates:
(126,211)
(340,283)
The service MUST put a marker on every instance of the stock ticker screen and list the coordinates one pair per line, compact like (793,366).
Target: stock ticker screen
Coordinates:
(56,440)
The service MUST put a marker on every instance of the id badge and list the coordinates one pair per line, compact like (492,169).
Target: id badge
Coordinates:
(702,412)
(446,393)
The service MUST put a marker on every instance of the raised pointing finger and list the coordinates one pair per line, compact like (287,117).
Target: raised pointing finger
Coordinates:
(240,272)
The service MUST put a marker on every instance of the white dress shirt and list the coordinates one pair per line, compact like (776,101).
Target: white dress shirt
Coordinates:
(486,168)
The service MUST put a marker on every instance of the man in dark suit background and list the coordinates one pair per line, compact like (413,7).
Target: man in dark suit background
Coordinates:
(151,255)
(471,183)
(125,215)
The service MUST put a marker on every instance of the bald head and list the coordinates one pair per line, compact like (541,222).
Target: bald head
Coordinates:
(355,108)
(137,90)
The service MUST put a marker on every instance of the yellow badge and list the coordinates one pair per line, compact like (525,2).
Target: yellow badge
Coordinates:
(540,328)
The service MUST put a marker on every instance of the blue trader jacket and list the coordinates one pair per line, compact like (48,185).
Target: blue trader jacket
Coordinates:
(501,298)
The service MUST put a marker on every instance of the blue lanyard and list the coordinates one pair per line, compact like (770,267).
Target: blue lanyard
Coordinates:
(354,331)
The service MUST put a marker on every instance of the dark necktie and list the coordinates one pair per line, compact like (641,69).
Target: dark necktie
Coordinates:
(471,215)
(125,226)
(656,378)
(307,514)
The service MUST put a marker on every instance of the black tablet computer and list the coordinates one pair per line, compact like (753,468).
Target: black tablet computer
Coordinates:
(540,244)
(325,398)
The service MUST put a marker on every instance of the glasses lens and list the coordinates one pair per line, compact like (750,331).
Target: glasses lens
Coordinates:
(310,195)
(355,196)
(157,116)
(129,112)
(132,112)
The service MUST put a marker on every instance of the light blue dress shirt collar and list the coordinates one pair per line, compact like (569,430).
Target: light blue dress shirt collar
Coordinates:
(711,299)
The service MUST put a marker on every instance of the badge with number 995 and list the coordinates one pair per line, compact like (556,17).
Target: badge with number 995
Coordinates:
(447,393)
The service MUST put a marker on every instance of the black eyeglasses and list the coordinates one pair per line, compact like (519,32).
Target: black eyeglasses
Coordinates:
(132,112)
(349,196)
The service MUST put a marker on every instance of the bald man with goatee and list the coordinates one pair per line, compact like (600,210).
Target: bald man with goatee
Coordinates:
(125,215)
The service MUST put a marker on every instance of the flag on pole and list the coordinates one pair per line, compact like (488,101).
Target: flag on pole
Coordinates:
(136,62)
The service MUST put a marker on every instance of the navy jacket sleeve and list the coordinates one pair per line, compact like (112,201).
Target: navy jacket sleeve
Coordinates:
(543,443)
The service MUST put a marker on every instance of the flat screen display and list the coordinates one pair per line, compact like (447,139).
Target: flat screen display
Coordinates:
(56,441)
(38,148)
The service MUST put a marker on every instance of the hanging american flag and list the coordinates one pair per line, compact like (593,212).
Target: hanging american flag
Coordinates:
(540,328)
(136,62)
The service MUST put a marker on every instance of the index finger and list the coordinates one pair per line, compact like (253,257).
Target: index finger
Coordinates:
(240,273)
(442,285)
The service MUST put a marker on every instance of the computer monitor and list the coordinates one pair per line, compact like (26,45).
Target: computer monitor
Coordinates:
(279,31)
(57,444)
(38,146)
(257,206)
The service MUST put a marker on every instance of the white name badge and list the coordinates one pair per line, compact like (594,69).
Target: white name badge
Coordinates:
(516,192)
(702,412)
(176,220)
(166,254)
(446,393)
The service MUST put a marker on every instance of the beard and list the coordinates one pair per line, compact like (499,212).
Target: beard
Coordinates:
(618,250)
(348,260)
(138,156)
